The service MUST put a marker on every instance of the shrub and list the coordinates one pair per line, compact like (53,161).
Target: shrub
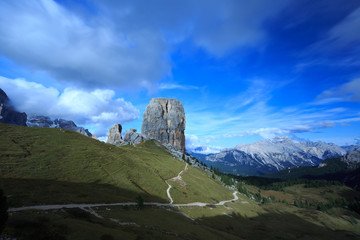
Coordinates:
(139,202)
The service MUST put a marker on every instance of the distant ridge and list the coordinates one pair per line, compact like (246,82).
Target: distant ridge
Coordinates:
(269,156)
(44,121)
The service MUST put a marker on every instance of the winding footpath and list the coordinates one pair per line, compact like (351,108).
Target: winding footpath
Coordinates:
(91,205)
(177,178)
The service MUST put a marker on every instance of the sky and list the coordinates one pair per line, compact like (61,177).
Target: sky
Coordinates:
(244,70)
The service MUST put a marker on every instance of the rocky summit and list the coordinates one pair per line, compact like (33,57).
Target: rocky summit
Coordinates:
(164,120)
(7,112)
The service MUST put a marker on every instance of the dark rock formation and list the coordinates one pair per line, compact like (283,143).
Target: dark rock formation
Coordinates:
(114,135)
(164,120)
(44,121)
(8,114)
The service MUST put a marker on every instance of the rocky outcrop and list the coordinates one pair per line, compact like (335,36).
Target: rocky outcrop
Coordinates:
(8,114)
(114,135)
(164,120)
(352,159)
(132,137)
(44,121)
(39,121)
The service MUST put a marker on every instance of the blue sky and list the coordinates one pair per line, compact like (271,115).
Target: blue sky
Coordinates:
(244,70)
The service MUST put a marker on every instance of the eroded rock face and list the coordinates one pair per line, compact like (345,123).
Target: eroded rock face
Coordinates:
(7,112)
(132,137)
(352,159)
(114,135)
(164,120)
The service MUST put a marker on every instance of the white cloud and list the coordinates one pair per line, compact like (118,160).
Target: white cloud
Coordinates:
(197,145)
(98,108)
(88,51)
(125,43)
(268,133)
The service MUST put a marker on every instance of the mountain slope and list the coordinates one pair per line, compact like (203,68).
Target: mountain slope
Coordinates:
(264,157)
(39,161)
(41,166)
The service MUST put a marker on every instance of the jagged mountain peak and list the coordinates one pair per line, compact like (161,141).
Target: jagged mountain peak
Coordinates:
(45,121)
(271,155)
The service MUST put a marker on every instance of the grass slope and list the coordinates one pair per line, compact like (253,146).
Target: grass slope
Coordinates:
(44,166)
(196,186)
(48,165)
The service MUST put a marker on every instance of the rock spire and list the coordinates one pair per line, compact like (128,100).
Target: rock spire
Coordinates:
(164,120)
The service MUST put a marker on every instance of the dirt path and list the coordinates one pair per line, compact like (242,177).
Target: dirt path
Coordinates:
(86,206)
(177,178)
(90,205)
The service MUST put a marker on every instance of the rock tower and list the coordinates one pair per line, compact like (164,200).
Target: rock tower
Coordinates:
(114,135)
(164,120)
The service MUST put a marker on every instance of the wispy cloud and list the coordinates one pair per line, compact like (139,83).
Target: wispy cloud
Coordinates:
(260,118)
(171,86)
(349,91)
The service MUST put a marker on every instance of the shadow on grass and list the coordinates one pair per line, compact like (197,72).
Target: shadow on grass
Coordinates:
(274,225)
(28,192)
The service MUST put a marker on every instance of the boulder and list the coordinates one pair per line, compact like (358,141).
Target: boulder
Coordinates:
(164,120)
(114,135)
(8,114)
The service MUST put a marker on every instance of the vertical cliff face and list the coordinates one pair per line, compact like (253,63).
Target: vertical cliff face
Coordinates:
(114,135)
(164,120)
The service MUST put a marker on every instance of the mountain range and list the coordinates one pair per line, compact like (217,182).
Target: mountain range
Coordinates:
(269,156)
(44,121)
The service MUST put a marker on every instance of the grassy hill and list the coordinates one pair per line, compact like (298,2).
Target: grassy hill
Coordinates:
(49,165)
(53,166)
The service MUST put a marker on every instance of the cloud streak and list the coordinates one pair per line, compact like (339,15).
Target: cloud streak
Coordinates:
(347,92)
(258,118)
(172,86)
